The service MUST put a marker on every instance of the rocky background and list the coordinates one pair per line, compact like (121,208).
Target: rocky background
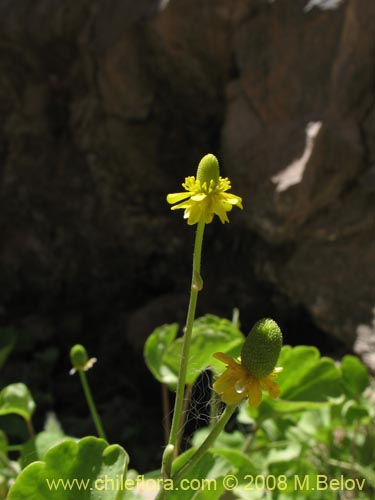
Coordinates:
(106,105)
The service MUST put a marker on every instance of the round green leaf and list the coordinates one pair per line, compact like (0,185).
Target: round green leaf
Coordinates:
(210,334)
(36,448)
(16,398)
(307,376)
(155,348)
(355,375)
(89,469)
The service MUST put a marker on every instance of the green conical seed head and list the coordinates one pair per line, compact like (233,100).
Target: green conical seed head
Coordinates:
(261,349)
(208,170)
(78,356)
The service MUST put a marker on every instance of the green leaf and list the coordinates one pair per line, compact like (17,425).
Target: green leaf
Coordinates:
(16,398)
(210,334)
(239,460)
(229,440)
(37,447)
(84,470)
(307,382)
(354,413)
(209,472)
(8,339)
(155,350)
(307,376)
(52,425)
(206,475)
(282,406)
(355,375)
(291,452)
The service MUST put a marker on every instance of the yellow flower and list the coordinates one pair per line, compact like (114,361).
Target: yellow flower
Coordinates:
(236,383)
(205,195)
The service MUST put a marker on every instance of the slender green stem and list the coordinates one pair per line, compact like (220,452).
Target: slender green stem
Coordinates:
(5,460)
(203,448)
(91,405)
(167,459)
(236,317)
(167,418)
(207,443)
(185,409)
(196,286)
(30,427)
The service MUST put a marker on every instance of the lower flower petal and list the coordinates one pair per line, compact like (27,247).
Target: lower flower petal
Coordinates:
(226,385)
(232,397)
(271,386)
(232,199)
(254,392)
(193,213)
(176,197)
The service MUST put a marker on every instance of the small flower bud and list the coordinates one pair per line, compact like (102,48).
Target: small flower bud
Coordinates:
(208,170)
(261,349)
(78,356)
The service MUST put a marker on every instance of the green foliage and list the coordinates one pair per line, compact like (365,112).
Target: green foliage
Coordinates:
(308,381)
(36,448)
(320,428)
(314,431)
(210,334)
(355,376)
(155,351)
(16,398)
(73,470)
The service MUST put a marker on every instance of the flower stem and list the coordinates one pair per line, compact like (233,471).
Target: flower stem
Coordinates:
(203,448)
(167,420)
(30,427)
(196,286)
(185,409)
(91,404)
(207,443)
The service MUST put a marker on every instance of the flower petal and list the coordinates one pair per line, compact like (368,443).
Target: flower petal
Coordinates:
(272,387)
(254,391)
(199,197)
(232,199)
(202,203)
(228,360)
(193,213)
(232,397)
(226,384)
(176,197)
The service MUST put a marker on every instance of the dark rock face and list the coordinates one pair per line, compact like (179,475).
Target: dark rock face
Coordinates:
(107,105)
(297,134)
